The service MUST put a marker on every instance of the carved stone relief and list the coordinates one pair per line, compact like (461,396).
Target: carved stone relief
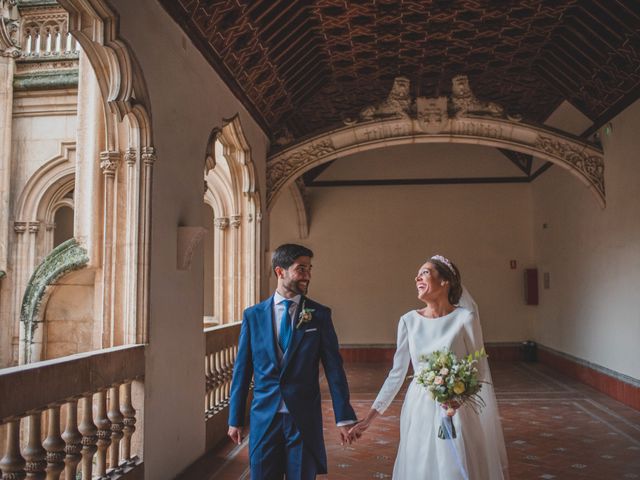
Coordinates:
(592,166)
(9,28)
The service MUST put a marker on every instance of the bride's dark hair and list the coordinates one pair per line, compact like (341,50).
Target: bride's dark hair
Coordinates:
(453,277)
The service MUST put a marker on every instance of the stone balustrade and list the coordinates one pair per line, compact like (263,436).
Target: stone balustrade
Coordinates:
(49,44)
(220,354)
(73,415)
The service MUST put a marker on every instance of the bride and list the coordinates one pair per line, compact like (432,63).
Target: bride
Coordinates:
(478,451)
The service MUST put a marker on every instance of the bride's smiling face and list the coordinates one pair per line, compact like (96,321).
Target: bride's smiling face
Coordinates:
(429,284)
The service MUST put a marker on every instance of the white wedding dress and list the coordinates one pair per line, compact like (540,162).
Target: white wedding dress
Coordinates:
(478,452)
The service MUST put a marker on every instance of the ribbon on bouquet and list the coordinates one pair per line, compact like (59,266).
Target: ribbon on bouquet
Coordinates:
(447,423)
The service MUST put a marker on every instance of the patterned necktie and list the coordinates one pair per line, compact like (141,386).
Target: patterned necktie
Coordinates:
(285,326)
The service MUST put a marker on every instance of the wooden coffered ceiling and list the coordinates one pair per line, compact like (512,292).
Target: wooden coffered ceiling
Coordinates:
(308,64)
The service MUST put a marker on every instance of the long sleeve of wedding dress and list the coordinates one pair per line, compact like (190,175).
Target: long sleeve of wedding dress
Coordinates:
(398,372)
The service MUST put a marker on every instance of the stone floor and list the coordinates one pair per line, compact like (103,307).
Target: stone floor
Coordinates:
(555,428)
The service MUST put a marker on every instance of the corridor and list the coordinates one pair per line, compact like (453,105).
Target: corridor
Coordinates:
(555,428)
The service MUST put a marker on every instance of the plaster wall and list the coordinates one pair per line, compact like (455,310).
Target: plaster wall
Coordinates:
(592,256)
(370,241)
(188,100)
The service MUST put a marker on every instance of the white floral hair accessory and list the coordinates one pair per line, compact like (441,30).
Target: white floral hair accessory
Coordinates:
(446,262)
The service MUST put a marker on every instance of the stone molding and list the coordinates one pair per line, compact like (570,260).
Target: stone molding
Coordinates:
(66,257)
(584,160)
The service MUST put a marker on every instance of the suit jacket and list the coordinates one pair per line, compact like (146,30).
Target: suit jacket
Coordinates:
(296,380)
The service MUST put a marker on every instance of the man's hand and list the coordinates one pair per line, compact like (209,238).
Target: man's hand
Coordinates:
(235,433)
(344,435)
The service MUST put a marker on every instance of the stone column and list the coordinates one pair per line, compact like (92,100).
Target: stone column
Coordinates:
(235,296)
(109,165)
(220,269)
(131,247)
(87,223)
(9,51)
(19,284)
(35,349)
(148,157)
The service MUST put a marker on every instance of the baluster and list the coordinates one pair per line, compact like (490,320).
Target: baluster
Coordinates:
(228,369)
(58,48)
(12,464)
(211,401)
(54,445)
(129,422)
(34,454)
(104,434)
(73,441)
(218,381)
(117,419)
(47,43)
(89,433)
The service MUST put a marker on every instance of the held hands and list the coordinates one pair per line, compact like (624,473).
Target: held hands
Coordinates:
(345,437)
(235,433)
(359,428)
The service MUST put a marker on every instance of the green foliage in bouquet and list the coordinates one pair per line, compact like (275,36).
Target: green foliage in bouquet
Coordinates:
(452,382)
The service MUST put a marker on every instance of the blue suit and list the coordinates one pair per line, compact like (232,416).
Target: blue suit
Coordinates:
(295,379)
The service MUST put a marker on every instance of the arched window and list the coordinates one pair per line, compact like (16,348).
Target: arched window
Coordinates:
(233,271)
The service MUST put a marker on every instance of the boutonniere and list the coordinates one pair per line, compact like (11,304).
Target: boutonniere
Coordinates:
(305,316)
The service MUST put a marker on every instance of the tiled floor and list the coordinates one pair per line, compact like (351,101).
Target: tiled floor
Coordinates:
(555,428)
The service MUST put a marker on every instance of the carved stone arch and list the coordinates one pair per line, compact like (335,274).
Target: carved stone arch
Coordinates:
(585,161)
(125,147)
(236,145)
(47,184)
(94,25)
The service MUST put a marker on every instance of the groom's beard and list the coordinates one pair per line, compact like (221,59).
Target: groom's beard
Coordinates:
(298,288)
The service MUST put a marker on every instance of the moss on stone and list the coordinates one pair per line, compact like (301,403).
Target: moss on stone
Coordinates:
(66,257)
(47,80)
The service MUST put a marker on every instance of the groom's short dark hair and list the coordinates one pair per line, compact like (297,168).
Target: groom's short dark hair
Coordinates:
(285,255)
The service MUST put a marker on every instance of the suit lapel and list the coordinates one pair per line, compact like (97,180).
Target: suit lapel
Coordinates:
(296,335)
(267,331)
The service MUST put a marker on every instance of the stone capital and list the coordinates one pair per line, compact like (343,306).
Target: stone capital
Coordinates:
(109,162)
(34,227)
(221,223)
(20,227)
(130,156)
(148,155)
(235,221)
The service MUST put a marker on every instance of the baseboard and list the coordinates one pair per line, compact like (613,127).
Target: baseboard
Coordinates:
(623,388)
(383,353)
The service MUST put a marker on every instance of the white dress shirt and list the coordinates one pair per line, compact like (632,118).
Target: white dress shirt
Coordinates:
(278,309)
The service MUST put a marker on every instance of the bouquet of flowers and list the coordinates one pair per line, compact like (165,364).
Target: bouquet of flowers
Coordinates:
(452,382)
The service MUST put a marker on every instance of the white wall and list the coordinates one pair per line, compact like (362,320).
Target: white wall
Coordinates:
(593,256)
(188,100)
(370,241)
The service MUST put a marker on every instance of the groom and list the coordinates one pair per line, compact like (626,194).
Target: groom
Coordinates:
(282,341)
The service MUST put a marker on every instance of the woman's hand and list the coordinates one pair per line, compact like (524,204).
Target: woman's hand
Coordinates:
(451,407)
(359,428)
